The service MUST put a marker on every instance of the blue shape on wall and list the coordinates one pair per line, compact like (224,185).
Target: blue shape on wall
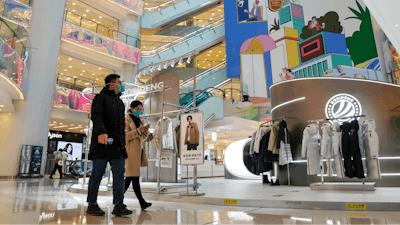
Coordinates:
(241,6)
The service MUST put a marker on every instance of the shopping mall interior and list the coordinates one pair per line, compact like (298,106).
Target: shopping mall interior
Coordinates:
(288,112)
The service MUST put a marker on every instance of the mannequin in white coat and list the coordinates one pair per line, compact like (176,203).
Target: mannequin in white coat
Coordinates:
(310,150)
(326,147)
(337,150)
(371,149)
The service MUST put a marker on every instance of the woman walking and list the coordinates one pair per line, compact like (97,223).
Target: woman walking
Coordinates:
(57,163)
(135,133)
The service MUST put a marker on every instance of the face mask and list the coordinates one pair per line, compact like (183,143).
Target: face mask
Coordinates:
(137,113)
(121,88)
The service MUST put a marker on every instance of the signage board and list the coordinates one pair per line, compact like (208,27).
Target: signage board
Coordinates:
(192,139)
(214,136)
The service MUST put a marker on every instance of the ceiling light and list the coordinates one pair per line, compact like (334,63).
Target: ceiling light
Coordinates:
(97,78)
(71,125)
(1,106)
(83,63)
(173,64)
(194,17)
(60,123)
(65,70)
(69,12)
(81,74)
(70,59)
(73,3)
(180,61)
(93,74)
(188,61)
(90,21)
(208,54)
(83,71)
(87,10)
(74,76)
(87,83)
(70,66)
(100,17)
(213,14)
(99,68)
(84,14)
(210,51)
(73,10)
(94,19)
(159,67)
(54,122)
(219,10)
(166,66)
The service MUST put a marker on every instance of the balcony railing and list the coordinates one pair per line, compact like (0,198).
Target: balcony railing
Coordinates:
(16,11)
(101,29)
(156,5)
(12,39)
(132,5)
(185,35)
(94,41)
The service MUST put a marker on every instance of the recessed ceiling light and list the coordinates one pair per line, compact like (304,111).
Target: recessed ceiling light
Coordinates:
(69,12)
(73,3)
(93,74)
(81,74)
(71,125)
(70,58)
(94,19)
(100,17)
(73,10)
(60,123)
(74,76)
(1,106)
(87,10)
(219,10)
(84,14)
(83,63)
(54,122)
(99,68)
(65,70)
(83,71)
(70,66)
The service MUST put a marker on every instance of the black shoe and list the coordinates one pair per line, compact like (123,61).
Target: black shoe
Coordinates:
(275,184)
(145,205)
(51,177)
(94,210)
(121,210)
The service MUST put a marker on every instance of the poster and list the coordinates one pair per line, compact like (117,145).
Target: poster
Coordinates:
(71,99)
(192,139)
(73,149)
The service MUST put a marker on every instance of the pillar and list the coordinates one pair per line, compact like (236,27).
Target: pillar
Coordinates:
(29,124)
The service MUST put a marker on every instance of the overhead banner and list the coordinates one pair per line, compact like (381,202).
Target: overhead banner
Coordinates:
(192,139)
(71,99)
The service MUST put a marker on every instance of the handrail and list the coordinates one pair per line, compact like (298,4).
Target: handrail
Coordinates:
(22,55)
(209,119)
(200,75)
(183,36)
(109,29)
(206,90)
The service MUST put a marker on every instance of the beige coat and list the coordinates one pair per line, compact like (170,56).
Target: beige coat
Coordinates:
(194,134)
(273,139)
(133,148)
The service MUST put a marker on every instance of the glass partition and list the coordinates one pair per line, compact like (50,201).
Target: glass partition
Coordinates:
(18,11)
(151,6)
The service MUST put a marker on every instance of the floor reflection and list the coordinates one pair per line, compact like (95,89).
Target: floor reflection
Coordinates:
(44,201)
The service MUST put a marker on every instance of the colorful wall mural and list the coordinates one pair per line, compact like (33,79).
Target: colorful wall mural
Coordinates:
(134,5)
(91,40)
(311,38)
(16,11)
(71,99)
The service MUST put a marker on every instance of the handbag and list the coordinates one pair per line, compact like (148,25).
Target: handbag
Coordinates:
(60,163)
(143,160)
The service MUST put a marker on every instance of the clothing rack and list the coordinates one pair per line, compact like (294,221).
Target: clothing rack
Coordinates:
(319,142)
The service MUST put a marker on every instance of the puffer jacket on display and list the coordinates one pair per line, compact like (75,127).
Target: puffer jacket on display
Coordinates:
(309,149)
(283,134)
(260,134)
(372,150)
(178,139)
(251,151)
(351,150)
(264,157)
(167,132)
(285,154)
(337,150)
(326,147)
(273,139)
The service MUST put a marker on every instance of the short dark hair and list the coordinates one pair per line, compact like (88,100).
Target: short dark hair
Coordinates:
(110,78)
(314,17)
(190,118)
(135,103)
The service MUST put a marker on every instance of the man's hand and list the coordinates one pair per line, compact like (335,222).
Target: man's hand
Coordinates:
(103,139)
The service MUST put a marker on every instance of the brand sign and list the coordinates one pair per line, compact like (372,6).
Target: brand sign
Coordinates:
(342,106)
(142,89)
(275,5)
(53,135)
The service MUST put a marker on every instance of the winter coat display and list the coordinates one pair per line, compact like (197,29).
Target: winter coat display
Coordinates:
(260,134)
(168,136)
(251,151)
(248,161)
(310,150)
(326,147)
(337,150)
(371,149)
(283,134)
(351,150)
(285,154)
(108,117)
(273,140)
(265,157)
(178,139)
(134,148)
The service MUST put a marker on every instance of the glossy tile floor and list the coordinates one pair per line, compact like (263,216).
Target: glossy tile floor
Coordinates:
(45,201)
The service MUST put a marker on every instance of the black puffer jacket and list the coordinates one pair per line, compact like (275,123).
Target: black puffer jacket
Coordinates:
(281,134)
(108,117)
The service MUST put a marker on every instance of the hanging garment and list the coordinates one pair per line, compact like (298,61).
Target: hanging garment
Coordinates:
(337,150)
(372,150)
(283,134)
(309,149)
(248,161)
(285,154)
(273,139)
(264,157)
(178,139)
(260,134)
(167,132)
(326,147)
(251,151)
(351,150)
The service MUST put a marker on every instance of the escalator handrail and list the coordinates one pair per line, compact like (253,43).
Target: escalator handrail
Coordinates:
(183,37)
(200,75)
(190,93)
(205,90)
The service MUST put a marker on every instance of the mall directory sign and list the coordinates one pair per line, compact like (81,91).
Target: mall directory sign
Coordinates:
(31,161)
(192,139)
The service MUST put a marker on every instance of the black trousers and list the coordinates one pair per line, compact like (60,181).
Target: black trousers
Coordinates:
(56,167)
(191,146)
(136,188)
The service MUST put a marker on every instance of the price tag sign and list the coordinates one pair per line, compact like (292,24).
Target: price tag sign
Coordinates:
(230,201)
(356,206)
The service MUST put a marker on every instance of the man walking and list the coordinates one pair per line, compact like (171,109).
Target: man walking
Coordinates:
(57,162)
(108,145)
(192,134)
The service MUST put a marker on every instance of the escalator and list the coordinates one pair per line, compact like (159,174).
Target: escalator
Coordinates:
(162,13)
(198,37)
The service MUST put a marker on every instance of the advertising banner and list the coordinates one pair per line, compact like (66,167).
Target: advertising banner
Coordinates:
(30,161)
(192,139)
(71,99)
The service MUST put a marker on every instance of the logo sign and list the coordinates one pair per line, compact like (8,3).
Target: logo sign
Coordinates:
(142,89)
(275,5)
(342,105)
(214,136)
(51,136)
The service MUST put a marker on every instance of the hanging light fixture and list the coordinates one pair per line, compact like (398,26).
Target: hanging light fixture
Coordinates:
(166,65)
(180,61)
(139,74)
(188,61)
(152,69)
(159,67)
(173,64)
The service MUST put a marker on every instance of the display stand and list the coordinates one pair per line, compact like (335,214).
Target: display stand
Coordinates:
(350,186)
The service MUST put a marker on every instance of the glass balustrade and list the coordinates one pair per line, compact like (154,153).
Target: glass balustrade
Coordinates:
(151,6)
(17,41)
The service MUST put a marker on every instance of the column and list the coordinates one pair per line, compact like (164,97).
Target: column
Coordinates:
(29,124)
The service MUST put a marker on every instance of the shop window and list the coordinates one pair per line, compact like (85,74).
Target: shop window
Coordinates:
(305,72)
(325,63)
(320,72)
(310,72)
(315,72)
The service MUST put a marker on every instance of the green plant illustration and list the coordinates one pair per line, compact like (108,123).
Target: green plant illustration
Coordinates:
(362,45)
(275,26)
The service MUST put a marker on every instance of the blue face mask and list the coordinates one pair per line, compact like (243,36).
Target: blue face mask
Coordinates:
(137,113)
(121,88)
